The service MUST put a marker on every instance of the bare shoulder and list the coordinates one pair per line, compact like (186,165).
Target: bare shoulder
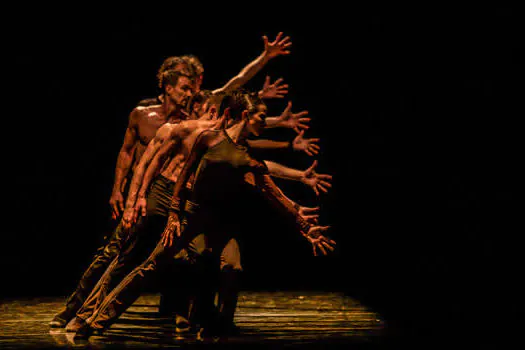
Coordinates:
(187,127)
(207,134)
(165,130)
(147,111)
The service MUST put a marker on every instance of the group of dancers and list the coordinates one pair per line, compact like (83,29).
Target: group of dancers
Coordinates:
(186,178)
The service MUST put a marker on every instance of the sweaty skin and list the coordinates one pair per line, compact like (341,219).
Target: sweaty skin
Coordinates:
(167,153)
(142,128)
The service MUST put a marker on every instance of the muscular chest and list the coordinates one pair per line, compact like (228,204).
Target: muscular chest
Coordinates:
(148,126)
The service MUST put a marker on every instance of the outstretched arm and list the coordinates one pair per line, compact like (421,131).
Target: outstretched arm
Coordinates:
(271,50)
(314,234)
(124,160)
(299,143)
(309,177)
(275,90)
(310,214)
(288,119)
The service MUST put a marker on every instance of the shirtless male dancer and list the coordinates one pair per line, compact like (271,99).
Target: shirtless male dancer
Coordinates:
(141,128)
(217,198)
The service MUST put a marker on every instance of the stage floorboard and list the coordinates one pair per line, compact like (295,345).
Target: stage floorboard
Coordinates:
(295,318)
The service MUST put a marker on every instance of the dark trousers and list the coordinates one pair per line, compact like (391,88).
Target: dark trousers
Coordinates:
(103,258)
(138,244)
(122,296)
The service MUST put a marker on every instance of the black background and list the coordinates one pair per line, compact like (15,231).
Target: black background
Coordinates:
(417,108)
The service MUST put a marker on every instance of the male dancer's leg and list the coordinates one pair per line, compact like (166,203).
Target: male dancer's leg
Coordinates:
(177,297)
(142,240)
(130,288)
(104,256)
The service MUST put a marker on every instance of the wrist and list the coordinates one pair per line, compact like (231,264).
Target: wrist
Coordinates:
(303,178)
(266,56)
(175,205)
(116,189)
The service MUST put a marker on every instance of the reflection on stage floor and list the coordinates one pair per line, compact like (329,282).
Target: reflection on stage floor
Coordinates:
(290,318)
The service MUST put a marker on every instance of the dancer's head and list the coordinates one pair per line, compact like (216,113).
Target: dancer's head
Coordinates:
(241,106)
(175,63)
(196,70)
(177,87)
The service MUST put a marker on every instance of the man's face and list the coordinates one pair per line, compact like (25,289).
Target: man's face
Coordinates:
(257,120)
(181,93)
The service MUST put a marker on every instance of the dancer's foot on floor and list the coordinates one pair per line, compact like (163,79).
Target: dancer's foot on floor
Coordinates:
(84,332)
(57,322)
(75,324)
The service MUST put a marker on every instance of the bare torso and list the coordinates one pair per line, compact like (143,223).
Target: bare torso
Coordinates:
(176,161)
(148,121)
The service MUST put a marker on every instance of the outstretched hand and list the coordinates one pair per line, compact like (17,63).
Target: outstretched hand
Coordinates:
(311,215)
(318,241)
(316,181)
(276,47)
(296,121)
(275,90)
(309,146)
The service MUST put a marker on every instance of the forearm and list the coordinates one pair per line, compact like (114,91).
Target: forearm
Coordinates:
(145,167)
(150,173)
(245,74)
(124,161)
(284,172)
(273,122)
(293,203)
(274,195)
(268,144)
(134,187)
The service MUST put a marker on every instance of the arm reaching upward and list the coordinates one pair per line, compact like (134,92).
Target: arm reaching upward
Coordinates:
(271,50)
(124,160)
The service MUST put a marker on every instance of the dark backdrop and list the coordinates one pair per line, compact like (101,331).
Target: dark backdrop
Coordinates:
(417,108)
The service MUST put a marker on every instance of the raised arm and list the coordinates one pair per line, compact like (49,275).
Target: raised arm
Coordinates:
(309,176)
(124,161)
(271,49)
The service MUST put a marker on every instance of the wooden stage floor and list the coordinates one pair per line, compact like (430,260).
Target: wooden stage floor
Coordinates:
(272,319)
